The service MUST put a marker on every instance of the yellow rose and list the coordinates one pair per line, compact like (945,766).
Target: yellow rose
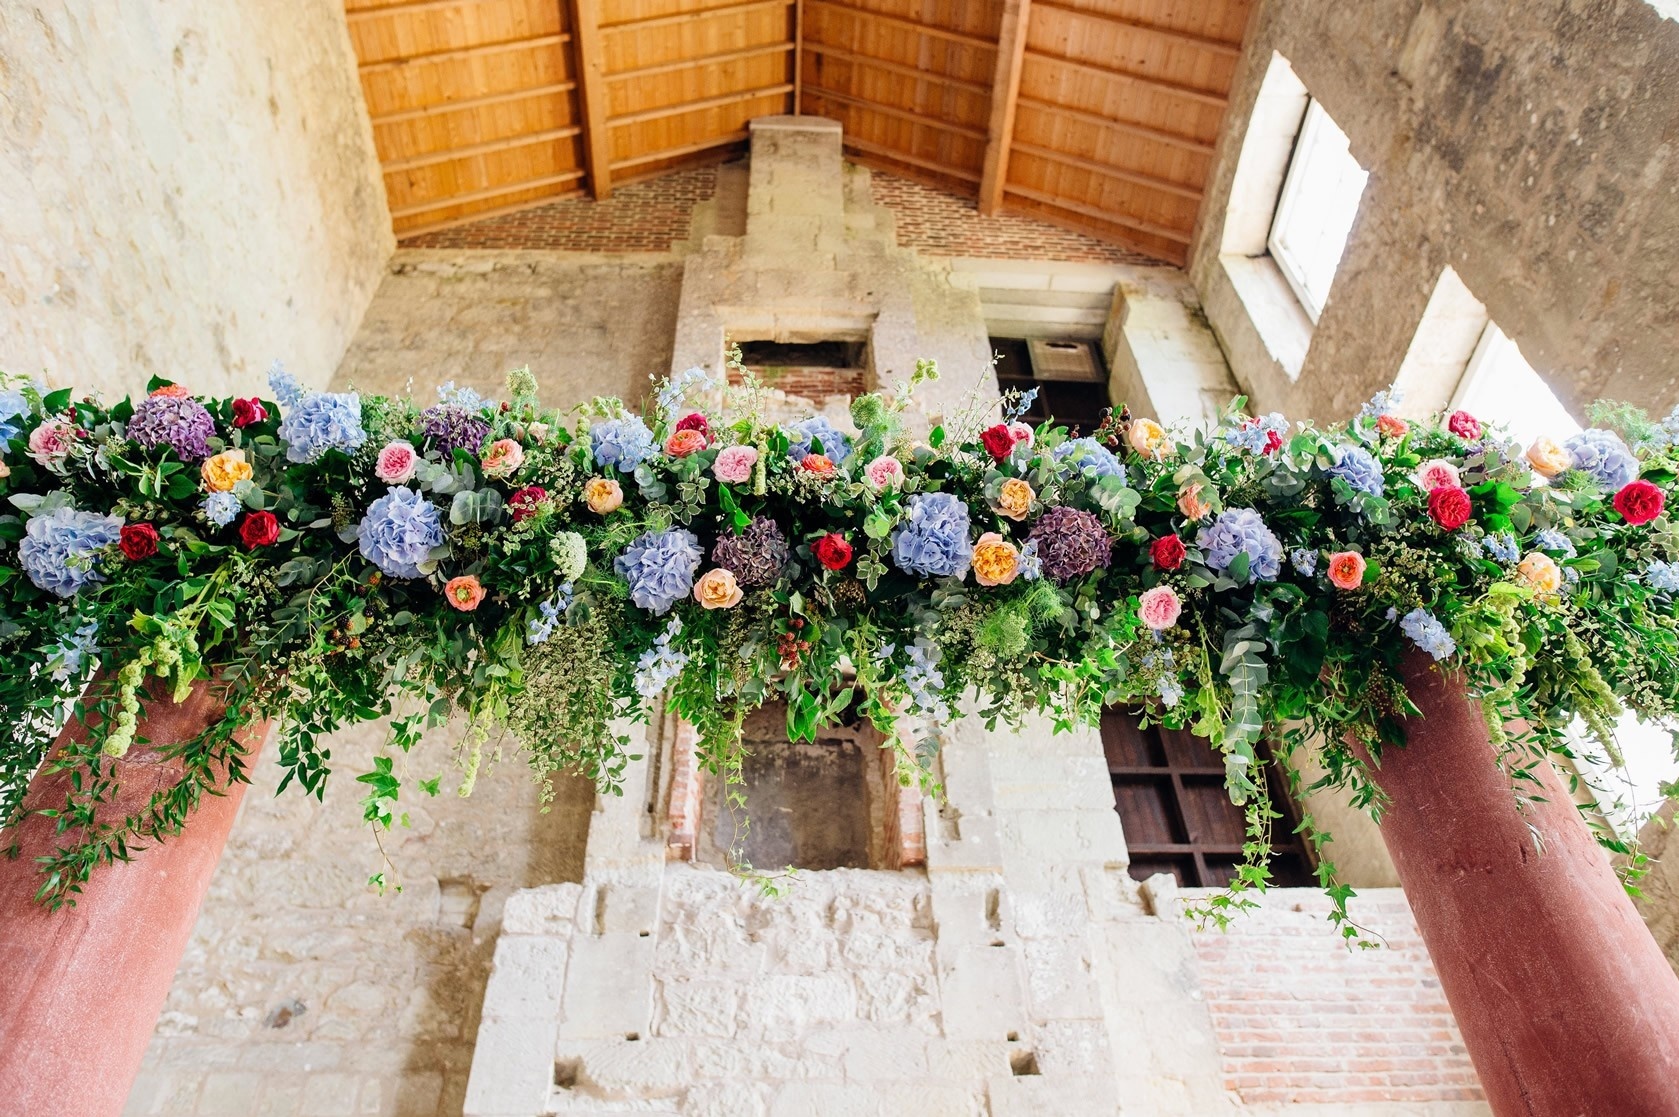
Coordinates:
(1191,504)
(996,561)
(1149,439)
(717,589)
(1015,499)
(1547,458)
(1539,573)
(602,496)
(225,470)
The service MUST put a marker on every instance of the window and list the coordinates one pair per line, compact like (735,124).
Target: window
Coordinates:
(1630,792)
(1072,403)
(1499,386)
(1316,208)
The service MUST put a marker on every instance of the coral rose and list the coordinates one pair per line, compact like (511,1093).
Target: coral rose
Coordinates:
(602,496)
(1191,504)
(820,464)
(685,441)
(885,472)
(1548,458)
(832,551)
(502,458)
(717,589)
(1167,552)
(1392,426)
(1539,572)
(1014,499)
(996,561)
(1148,438)
(1464,425)
(1346,570)
(224,470)
(1159,607)
(734,464)
(1437,473)
(138,541)
(396,463)
(999,441)
(464,592)
(259,529)
(1449,507)
(1639,502)
(248,411)
(173,391)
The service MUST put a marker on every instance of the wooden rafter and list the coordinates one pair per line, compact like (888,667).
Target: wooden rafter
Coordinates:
(591,79)
(1005,91)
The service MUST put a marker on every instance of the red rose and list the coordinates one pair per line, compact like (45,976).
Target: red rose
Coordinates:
(524,503)
(248,411)
(1464,425)
(1638,502)
(1273,442)
(832,551)
(259,529)
(1449,507)
(138,541)
(695,422)
(1167,552)
(999,441)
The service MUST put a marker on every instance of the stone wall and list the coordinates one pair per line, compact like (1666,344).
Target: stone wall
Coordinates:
(186,189)
(1529,146)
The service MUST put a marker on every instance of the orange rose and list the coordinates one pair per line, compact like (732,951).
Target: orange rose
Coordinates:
(1346,570)
(1539,573)
(464,593)
(1191,504)
(602,496)
(996,561)
(1015,498)
(225,470)
(717,589)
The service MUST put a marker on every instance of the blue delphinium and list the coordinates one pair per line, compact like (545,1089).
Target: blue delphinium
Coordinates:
(1359,468)
(1170,691)
(804,434)
(13,409)
(1090,457)
(675,390)
(1304,560)
(1023,402)
(1663,576)
(661,663)
(1241,531)
(660,567)
(1382,403)
(1550,539)
(542,627)
(58,549)
(933,540)
(622,444)
(72,652)
(1604,456)
(1031,564)
(399,532)
(287,391)
(221,509)
(1256,435)
(322,421)
(468,398)
(1501,547)
(922,677)
(1427,633)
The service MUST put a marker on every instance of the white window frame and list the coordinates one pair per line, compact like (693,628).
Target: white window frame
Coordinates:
(1293,271)
(1489,351)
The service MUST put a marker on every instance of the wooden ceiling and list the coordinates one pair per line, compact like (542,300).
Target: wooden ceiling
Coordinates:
(1097,114)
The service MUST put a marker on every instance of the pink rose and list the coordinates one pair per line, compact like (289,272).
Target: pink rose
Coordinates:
(884,472)
(1159,607)
(50,442)
(686,441)
(502,458)
(1346,570)
(1022,434)
(734,464)
(396,463)
(1437,473)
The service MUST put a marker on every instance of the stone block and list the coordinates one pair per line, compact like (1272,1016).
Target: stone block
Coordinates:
(549,910)
(824,1099)
(698,1008)
(512,1069)
(885,1053)
(1035,1096)
(330,1095)
(609,987)
(624,1069)
(781,1006)
(726,1099)
(925,1099)
(967,1060)
(1059,981)
(230,1094)
(528,979)
(979,989)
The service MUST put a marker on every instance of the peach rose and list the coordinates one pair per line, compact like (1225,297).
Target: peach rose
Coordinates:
(1346,570)
(820,464)
(1539,572)
(717,589)
(734,464)
(1159,607)
(684,442)
(1191,504)
(1148,438)
(1548,458)
(996,561)
(1015,498)
(224,470)
(602,496)
(502,458)
(464,593)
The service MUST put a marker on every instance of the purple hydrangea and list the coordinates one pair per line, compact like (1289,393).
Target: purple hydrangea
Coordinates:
(58,549)
(1089,456)
(178,422)
(1604,456)
(660,568)
(754,555)
(399,532)
(804,434)
(450,427)
(1241,531)
(622,444)
(1359,468)
(322,421)
(933,540)
(1070,543)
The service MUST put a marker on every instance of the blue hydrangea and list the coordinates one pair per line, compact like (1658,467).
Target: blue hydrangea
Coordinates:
(1090,457)
(1242,531)
(14,408)
(1427,633)
(1501,547)
(221,509)
(1304,560)
(71,653)
(1359,468)
(1170,691)
(805,433)
(1663,576)
(285,386)
(660,568)
(660,664)
(622,444)
(58,549)
(322,421)
(1382,403)
(1604,456)
(399,532)
(1255,435)
(467,398)
(1553,540)
(933,540)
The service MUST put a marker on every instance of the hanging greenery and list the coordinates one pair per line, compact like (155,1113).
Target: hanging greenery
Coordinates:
(328,558)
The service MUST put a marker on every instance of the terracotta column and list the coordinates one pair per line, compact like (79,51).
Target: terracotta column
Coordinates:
(1566,1003)
(81,988)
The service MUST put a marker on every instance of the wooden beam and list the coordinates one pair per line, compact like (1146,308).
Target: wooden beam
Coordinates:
(1187,143)
(504,46)
(1185,38)
(480,195)
(693,16)
(1108,170)
(1185,91)
(918,119)
(885,152)
(506,143)
(687,149)
(925,29)
(681,107)
(703,60)
(798,55)
(591,80)
(486,214)
(443,107)
(1005,91)
(888,66)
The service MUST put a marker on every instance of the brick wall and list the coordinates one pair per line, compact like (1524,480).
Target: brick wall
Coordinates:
(815,384)
(645,216)
(1302,1019)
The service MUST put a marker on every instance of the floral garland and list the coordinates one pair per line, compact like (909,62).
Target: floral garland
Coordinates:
(328,558)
